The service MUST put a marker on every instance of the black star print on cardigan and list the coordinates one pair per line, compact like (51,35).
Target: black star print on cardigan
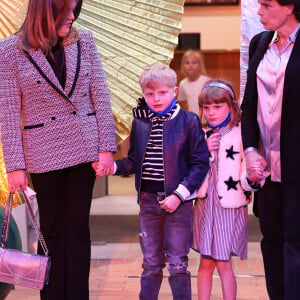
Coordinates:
(248,195)
(231,184)
(230,153)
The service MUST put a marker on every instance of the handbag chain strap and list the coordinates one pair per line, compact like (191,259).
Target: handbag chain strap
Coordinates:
(6,220)
(7,217)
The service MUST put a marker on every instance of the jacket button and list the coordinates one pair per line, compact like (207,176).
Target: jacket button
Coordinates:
(85,94)
(53,118)
(38,81)
(74,112)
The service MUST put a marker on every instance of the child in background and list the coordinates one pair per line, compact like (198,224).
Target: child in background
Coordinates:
(220,213)
(192,67)
(169,156)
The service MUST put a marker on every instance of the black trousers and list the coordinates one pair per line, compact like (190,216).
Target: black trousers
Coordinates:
(64,200)
(278,207)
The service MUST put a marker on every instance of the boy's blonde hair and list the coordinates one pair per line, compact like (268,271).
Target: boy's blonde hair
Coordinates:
(158,74)
(220,91)
(198,56)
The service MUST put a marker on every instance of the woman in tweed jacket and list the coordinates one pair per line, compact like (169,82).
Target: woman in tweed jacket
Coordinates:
(56,121)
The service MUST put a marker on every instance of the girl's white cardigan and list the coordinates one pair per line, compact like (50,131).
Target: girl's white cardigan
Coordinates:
(232,182)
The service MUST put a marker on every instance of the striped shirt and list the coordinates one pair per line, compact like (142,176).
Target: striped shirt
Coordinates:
(153,164)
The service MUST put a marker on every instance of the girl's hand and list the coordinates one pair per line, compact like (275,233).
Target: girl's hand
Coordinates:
(213,142)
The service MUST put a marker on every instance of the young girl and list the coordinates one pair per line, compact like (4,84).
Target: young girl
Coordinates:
(192,67)
(220,213)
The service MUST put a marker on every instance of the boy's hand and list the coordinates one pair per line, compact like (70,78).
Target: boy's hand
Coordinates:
(170,204)
(213,142)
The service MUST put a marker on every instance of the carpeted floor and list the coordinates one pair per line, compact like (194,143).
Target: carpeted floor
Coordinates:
(124,229)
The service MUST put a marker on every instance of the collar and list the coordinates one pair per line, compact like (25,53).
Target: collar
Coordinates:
(225,130)
(141,111)
(222,131)
(291,39)
(71,38)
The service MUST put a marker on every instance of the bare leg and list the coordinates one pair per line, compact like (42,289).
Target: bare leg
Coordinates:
(227,280)
(205,273)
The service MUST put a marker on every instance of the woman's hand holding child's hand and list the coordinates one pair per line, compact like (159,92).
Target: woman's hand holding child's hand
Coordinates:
(170,203)
(255,166)
(105,164)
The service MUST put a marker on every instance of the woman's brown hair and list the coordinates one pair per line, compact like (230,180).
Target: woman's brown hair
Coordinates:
(212,92)
(43,19)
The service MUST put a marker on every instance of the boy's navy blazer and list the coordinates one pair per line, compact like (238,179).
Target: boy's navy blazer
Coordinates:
(59,127)
(185,154)
(290,116)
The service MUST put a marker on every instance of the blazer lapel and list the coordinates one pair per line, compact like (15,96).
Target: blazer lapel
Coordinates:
(39,61)
(261,49)
(292,67)
(72,67)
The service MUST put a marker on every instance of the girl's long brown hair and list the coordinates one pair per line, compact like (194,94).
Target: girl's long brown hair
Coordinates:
(43,19)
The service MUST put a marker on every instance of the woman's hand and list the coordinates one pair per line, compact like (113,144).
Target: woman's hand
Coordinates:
(17,180)
(213,142)
(255,166)
(105,164)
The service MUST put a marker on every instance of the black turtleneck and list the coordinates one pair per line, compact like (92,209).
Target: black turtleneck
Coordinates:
(56,59)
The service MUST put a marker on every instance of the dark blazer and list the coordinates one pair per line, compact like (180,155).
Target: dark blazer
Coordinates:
(59,127)
(290,117)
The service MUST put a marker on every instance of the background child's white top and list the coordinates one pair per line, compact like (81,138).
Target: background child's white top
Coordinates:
(189,91)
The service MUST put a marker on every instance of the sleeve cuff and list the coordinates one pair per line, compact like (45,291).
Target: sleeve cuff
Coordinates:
(251,186)
(182,192)
(115,168)
(249,149)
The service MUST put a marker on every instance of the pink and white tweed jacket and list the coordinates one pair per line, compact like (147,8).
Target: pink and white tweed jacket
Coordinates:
(43,126)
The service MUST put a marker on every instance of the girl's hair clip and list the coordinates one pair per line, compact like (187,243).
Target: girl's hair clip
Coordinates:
(222,86)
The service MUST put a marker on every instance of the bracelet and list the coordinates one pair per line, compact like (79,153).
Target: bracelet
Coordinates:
(249,149)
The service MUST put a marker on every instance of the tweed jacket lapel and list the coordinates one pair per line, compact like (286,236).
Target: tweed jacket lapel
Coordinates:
(39,61)
(72,67)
